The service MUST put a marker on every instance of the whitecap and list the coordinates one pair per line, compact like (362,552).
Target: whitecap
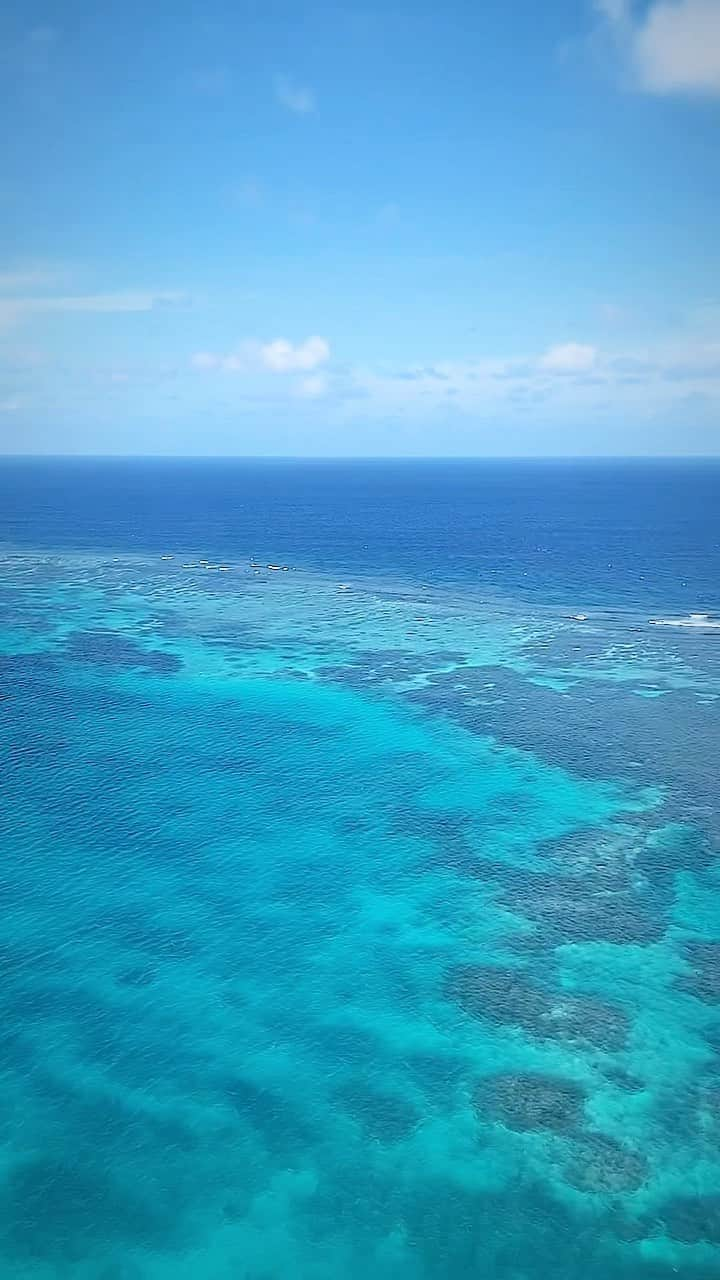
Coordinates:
(703,620)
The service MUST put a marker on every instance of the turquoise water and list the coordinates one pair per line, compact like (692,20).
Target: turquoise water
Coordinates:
(352,923)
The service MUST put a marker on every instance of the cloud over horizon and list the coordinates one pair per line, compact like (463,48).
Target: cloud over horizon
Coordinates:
(572,381)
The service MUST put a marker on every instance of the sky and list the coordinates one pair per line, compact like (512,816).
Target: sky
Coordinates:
(388,227)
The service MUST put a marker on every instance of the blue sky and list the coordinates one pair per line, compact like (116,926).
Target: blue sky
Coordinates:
(378,228)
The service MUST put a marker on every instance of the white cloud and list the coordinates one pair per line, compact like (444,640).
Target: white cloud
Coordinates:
(10,405)
(678,48)
(622,379)
(673,47)
(295,97)
(637,381)
(569,357)
(282,357)
(278,356)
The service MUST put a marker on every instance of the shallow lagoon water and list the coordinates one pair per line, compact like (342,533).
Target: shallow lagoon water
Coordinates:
(349,929)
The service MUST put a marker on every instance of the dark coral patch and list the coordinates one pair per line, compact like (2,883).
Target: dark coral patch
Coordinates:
(276,1121)
(628,1229)
(507,996)
(384,1117)
(570,909)
(496,994)
(108,649)
(581,1019)
(59,1210)
(526,1102)
(600,1164)
(704,982)
(677,847)
(693,1219)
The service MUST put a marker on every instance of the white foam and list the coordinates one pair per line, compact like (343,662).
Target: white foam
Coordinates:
(691,620)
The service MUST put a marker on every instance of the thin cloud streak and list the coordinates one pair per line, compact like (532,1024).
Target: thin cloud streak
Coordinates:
(16,309)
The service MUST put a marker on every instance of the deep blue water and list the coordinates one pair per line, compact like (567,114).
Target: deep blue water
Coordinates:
(362,912)
(622,531)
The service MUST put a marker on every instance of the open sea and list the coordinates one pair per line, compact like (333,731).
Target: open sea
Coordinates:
(360,915)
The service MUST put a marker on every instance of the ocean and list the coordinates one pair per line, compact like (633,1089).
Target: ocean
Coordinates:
(360,870)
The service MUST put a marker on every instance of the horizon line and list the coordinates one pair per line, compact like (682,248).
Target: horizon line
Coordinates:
(360,457)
